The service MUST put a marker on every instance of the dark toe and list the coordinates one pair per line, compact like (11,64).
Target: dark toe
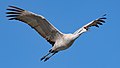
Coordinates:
(42,58)
(46,59)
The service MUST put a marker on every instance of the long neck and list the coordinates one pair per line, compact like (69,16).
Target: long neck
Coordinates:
(79,32)
(75,36)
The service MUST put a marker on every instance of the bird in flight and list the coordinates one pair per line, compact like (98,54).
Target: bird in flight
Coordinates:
(59,41)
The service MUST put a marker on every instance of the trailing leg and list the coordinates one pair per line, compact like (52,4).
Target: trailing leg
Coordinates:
(50,56)
(46,55)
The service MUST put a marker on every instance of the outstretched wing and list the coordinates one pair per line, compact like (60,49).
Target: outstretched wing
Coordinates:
(37,22)
(95,23)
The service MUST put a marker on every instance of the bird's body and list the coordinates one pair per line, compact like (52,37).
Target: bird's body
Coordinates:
(64,42)
(57,39)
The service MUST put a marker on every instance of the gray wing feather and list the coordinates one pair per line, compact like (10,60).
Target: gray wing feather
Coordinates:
(38,22)
(95,23)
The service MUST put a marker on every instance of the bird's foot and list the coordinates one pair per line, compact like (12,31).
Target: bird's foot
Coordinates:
(42,58)
(46,59)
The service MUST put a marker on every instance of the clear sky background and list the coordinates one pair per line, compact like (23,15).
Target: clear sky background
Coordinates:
(22,47)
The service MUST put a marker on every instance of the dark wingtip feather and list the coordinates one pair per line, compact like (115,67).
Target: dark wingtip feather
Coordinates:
(11,9)
(13,19)
(97,26)
(11,15)
(100,23)
(101,20)
(104,14)
(16,7)
(13,12)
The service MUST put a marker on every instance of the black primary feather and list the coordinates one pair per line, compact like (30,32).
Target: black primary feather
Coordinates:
(16,8)
(13,13)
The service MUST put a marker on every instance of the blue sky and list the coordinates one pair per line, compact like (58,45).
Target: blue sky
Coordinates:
(22,47)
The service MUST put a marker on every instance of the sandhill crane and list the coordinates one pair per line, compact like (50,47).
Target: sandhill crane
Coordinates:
(59,41)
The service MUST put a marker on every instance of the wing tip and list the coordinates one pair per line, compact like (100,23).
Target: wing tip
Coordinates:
(104,14)
(14,7)
(13,12)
